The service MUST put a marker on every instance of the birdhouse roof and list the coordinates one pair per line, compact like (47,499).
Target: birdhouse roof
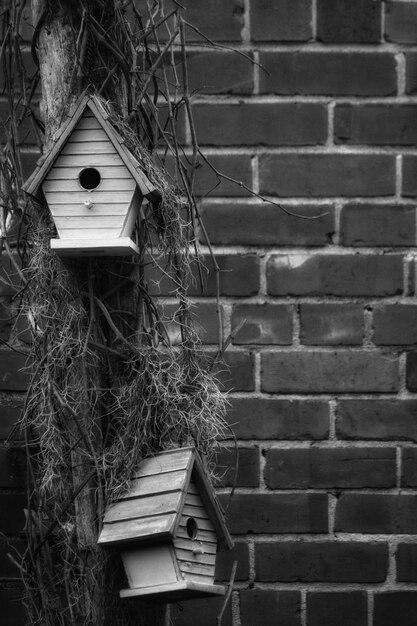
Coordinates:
(152,507)
(93,103)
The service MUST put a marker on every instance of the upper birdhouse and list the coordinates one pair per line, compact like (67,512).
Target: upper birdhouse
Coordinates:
(93,185)
(168,527)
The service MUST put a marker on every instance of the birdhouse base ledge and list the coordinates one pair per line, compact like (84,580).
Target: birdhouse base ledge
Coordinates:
(175,592)
(121,246)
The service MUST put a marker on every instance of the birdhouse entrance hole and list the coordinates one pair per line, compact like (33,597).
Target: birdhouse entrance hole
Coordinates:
(89,178)
(192,528)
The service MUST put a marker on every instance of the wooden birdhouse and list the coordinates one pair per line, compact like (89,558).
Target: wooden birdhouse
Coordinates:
(168,527)
(93,185)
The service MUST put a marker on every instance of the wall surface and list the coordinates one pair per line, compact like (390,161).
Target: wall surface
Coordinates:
(323,373)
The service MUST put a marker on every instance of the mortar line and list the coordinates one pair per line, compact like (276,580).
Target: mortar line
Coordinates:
(401,73)
(314,19)
(256,70)
(332,421)
(303,606)
(399,466)
(370,607)
(382,23)
(398,175)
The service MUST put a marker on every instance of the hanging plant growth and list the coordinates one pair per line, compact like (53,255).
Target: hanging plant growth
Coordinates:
(108,387)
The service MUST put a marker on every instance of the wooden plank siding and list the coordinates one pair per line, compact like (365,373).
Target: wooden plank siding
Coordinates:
(208,536)
(110,172)
(159,526)
(178,460)
(156,483)
(67,184)
(143,507)
(196,565)
(113,212)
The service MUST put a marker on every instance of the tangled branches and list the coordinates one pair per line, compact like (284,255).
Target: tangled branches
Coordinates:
(108,386)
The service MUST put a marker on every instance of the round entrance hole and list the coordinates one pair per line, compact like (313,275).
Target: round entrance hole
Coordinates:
(89,178)
(191,527)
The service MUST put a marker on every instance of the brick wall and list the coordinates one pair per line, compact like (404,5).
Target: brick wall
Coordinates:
(324,371)
(323,374)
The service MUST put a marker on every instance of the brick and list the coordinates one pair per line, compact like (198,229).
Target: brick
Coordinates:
(246,462)
(235,166)
(314,175)
(321,561)
(203,612)
(335,275)
(12,467)
(260,607)
(376,513)
(328,372)
(220,72)
(331,324)
(222,21)
(29,69)
(328,73)
(239,275)
(9,415)
(25,26)
(25,130)
(14,372)
(401,22)
(377,225)
(268,225)
(411,371)
(236,371)
(9,278)
(11,605)
(376,124)
(395,607)
(276,513)
(12,518)
(224,562)
(29,160)
(6,319)
(165,124)
(281,21)
(411,282)
(377,419)
(271,418)
(409,175)
(406,558)
(7,568)
(266,124)
(395,324)
(319,468)
(205,320)
(263,324)
(409,467)
(411,73)
(22,329)
(349,21)
(337,609)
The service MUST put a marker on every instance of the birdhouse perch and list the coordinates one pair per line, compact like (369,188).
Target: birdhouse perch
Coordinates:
(93,185)
(167,528)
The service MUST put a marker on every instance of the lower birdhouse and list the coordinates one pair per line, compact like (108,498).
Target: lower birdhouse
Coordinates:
(168,528)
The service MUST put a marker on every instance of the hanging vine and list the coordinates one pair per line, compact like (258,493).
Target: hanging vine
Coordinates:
(108,386)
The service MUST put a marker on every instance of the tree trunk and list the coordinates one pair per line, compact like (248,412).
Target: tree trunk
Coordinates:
(60,82)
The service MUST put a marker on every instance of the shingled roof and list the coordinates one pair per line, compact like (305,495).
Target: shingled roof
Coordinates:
(152,507)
